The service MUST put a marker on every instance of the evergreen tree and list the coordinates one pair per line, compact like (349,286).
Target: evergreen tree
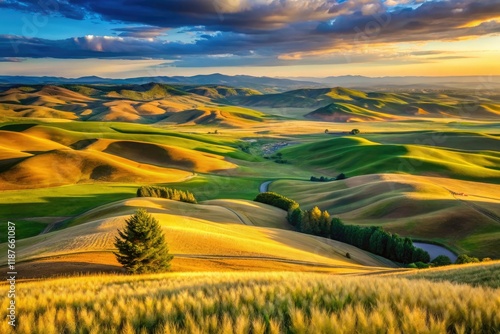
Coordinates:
(141,245)
(399,249)
(315,220)
(376,242)
(325,224)
(337,230)
(305,224)
(441,260)
(419,255)
(408,250)
(295,217)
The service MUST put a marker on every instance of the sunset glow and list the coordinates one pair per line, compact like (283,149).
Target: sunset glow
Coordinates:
(261,37)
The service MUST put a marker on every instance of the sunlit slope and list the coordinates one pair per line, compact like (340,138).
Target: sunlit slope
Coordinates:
(60,167)
(345,112)
(44,156)
(147,103)
(15,147)
(460,140)
(219,92)
(462,214)
(359,156)
(24,142)
(348,105)
(254,213)
(163,155)
(204,231)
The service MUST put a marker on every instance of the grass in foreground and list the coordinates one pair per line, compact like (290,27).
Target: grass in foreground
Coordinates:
(477,274)
(251,303)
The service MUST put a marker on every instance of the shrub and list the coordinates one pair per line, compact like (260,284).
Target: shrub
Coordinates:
(295,215)
(464,258)
(141,245)
(486,259)
(347,255)
(167,193)
(321,179)
(421,265)
(276,200)
(441,260)
(354,131)
(341,176)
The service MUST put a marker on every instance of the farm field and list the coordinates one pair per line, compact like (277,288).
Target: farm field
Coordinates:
(72,158)
(254,303)
(250,167)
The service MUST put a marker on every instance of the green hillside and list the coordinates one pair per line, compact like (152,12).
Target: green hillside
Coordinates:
(359,156)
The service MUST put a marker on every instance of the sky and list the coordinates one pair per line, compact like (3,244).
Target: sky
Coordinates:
(282,38)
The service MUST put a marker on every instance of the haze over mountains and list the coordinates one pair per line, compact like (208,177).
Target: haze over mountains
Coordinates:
(270,84)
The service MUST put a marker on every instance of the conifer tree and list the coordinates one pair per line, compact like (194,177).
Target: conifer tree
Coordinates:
(141,245)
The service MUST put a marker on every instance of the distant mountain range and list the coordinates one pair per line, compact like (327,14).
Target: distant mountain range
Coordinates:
(262,84)
(273,85)
(409,82)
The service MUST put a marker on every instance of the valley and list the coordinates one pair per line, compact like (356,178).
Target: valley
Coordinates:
(73,156)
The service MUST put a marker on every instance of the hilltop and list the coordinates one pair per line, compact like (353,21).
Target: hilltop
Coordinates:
(73,155)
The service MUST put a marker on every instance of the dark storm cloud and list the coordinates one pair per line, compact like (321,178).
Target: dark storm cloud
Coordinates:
(224,15)
(433,20)
(47,7)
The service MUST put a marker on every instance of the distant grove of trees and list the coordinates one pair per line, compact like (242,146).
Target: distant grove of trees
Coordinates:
(168,193)
(276,200)
(373,239)
(341,176)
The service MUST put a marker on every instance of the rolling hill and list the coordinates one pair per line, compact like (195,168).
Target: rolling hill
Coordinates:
(349,105)
(45,156)
(204,237)
(213,104)
(146,103)
(462,214)
(359,156)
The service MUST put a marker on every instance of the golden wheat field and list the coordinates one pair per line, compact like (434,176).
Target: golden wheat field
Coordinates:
(252,303)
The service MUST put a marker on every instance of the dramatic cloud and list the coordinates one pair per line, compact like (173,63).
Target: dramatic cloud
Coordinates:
(259,32)
(140,32)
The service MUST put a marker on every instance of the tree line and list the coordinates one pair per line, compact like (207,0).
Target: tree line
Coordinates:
(341,176)
(168,193)
(372,239)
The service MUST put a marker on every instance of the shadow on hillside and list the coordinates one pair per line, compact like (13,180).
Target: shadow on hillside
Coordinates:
(45,269)
(60,206)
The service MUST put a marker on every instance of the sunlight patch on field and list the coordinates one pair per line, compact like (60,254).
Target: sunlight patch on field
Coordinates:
(203,231)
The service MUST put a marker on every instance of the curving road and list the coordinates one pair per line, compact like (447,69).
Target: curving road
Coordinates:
(264,187)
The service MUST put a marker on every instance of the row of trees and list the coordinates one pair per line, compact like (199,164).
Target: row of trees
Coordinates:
(168,193)
(373,239)
(276,200)
(341,176)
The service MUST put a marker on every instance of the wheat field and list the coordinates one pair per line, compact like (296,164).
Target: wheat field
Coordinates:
(251,303)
